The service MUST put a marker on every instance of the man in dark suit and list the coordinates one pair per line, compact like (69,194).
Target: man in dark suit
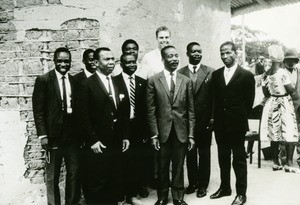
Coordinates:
(170,113)
(199,174)
(104,129)
(259,66)
(233,96)
(90,68)
(133,107)
(53,101)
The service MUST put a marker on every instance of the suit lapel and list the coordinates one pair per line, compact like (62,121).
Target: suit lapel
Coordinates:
(221,77)
(55,85)
(100,84)
(164,83)
(201,75)
(235,75)
(186,71)
(177,86)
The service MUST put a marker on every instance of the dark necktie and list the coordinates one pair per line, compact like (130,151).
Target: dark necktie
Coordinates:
(64,100)
(172,87)
(194,67)
(132,94)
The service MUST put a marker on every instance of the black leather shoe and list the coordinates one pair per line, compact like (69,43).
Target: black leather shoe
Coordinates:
(179,202)
(161,202)
(220,193)
(190,189)
(201,192)
(239,200)
(143,192)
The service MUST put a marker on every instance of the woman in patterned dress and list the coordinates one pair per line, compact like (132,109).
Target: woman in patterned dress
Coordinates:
(278,122)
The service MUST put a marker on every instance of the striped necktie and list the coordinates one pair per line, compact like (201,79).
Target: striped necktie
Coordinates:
(132,94)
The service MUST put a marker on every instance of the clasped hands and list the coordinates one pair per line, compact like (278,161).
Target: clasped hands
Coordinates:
(98,146)
(156,143)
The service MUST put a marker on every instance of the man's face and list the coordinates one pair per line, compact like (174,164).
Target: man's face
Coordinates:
(163,39)
(90,63)
(228,56)
(132,49)
(170,59)
(194,55)
(106,62)
(62,62)
(290,63)
(129,64)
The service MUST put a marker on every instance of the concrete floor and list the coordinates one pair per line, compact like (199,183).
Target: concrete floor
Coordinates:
(265,187)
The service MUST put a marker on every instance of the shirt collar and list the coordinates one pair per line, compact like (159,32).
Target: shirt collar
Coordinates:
(191,67)
(102,76)
(59,75)
(87,73)
(232,69)
(126,76)
(167,73)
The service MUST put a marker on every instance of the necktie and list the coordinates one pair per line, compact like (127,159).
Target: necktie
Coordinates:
(132,94)
(194,67)
(172,87)
(64,100)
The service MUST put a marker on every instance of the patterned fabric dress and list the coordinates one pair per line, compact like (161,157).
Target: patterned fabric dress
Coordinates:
(278,121)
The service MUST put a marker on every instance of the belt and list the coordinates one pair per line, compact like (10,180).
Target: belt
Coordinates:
(278,96)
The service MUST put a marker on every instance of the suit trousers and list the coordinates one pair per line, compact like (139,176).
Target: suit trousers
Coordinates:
(70,154)
(103,176)
(198,160)
(232,143)
(171,151)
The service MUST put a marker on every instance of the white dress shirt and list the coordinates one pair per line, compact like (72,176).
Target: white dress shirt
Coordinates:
(68,89)
(105,83)
(127,82)
(228,73)
(168,78)
(152,63)
(191,67)
(87,73)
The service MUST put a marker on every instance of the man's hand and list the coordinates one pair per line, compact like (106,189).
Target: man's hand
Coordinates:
(191,143)
(126,144)
(44,143)
(155,143)
(210,124)
(97,147)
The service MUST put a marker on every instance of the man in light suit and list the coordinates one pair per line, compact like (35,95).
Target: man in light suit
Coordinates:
(199,174)
(170,114)
(54,97)
(133,106)
(233,97)
(105,131)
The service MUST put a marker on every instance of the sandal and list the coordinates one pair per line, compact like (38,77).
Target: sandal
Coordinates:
(277,167)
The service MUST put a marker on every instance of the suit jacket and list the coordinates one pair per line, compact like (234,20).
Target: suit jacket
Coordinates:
(162,112)
(98,113)
(80,77)
(140,105)
(232,102)
(259,68)
(47,105)
(202,95)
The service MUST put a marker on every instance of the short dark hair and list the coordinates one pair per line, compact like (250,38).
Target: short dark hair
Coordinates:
(162,52)
(86,53)
(162,28)
(122,57)
(98,51)
(233,47)
(61,49)
(128,41)
(190,46)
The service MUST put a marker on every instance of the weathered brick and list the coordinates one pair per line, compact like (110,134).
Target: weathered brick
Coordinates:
(90,44)
(7,27)
(6,5)
(9,89)
(7,55)
(58,35)
(8,68)
(9,46)
(93,33)
(91,23)
(9,36)
(25,103)
(9,103)
(28,89)
(73,45)
(54,45)
(72,34)
(54,2)
(71,24)
(33,48)
(6,16)
(9,79)
(26,3)
(33,67)
(33,34)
